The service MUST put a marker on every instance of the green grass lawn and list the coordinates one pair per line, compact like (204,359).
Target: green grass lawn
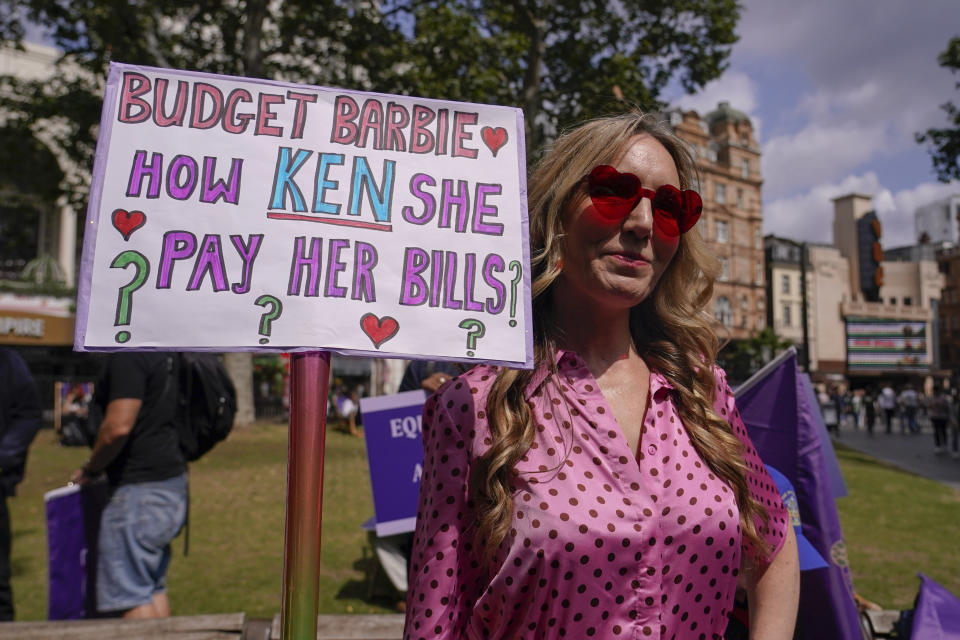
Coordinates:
(235,562)
(895,525)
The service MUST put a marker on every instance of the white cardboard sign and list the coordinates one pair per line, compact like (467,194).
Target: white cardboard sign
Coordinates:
(231,214)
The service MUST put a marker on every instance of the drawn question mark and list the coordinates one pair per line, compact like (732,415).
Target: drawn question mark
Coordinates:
(125,296)
(276,308)
(476,330)
(513,289)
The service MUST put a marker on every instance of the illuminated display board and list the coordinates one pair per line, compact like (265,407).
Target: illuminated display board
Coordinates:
(876,344)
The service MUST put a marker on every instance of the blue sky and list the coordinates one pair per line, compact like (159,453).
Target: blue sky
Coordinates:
(836,90)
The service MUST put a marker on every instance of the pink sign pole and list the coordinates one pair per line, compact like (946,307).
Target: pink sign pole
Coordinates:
(309,382)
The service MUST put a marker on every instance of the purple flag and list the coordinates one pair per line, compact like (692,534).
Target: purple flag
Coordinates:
(937,614)
(67,547)
(73,525)
(785,429)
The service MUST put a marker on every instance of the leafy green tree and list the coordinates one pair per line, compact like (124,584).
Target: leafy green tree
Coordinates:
(945,143)
(561,61)
(742,358)
(310,41)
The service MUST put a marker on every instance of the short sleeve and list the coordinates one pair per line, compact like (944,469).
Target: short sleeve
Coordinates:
(759,482)
(442,579)
(128,376)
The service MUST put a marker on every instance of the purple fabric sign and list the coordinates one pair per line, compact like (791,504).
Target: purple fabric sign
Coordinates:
(786,430)
(67,547)
(830,456)
(937,614)
(392,429)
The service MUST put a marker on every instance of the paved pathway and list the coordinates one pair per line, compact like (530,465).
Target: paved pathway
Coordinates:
(913,453)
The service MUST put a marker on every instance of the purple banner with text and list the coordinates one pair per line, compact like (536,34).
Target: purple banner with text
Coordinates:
(393,427)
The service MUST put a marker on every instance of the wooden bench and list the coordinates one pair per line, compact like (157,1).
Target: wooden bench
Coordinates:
(352,627)
(227,626)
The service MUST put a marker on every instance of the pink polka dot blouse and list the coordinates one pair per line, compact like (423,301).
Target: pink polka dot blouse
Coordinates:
(605,543)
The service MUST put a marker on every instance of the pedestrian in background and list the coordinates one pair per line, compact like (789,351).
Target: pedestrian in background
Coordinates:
(938,408)
(910,402)
(888,402)
(19,422)
(870,408)
(955,423)
(138,447)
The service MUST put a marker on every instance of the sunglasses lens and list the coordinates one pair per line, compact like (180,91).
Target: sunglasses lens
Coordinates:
(678,210)
(692,208)
(667,210)
(614,194)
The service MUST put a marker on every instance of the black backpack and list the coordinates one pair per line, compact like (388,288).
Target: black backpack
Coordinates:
(206,403)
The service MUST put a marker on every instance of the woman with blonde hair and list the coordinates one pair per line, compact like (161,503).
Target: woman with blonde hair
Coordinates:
(611,491)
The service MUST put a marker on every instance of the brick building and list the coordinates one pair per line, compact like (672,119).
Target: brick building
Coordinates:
(948,261)
(728,160)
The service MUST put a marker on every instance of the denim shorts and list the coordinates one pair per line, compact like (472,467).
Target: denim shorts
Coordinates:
(133,552)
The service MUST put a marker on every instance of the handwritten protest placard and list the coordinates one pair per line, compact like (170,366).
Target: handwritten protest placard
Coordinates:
(232,214)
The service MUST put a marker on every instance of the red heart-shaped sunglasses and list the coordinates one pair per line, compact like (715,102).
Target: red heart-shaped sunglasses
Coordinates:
(615,195)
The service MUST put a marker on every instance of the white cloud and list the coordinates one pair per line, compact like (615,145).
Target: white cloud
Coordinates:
(817,154)
(898,210)
(734,87)
(809,216)
(864,71)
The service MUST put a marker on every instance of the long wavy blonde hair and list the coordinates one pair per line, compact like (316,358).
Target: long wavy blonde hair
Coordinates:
(671,329)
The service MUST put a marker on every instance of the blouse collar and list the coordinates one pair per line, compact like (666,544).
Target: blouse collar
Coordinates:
(567,362)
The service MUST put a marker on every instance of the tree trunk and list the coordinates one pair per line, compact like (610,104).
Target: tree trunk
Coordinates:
(240,368)
(536,31)
(240,365)
(256,13)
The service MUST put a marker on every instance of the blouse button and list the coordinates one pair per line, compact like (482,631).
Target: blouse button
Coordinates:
(652,449)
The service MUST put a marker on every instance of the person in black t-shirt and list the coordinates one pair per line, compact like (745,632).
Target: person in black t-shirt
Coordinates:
(138,448)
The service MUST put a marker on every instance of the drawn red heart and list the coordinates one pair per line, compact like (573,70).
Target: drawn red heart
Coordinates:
(494,138)
(126,222)
(377,329)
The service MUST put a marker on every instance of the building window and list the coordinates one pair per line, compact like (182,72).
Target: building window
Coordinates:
(759,273)
(745,139)
(721,194)
(745,168)
(744,303)
(740,198)
(785,283)
(721,228)
(724,272)
(893,301)
(759,304)
(786,315)
(908,301)
(723,311)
